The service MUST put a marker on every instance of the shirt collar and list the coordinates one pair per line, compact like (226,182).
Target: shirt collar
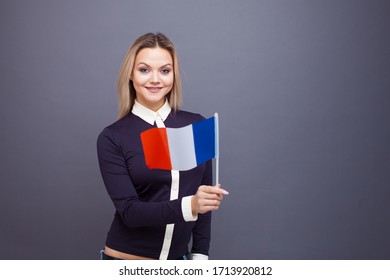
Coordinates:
(149,115)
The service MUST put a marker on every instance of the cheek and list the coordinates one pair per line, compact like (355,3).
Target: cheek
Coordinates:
(139,79)
(168,81)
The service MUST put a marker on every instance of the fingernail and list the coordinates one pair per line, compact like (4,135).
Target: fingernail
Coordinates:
(225,192)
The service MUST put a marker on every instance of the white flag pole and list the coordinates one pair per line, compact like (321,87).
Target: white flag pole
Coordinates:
(216,122)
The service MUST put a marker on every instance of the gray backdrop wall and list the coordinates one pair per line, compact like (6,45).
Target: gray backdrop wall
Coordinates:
(302,88)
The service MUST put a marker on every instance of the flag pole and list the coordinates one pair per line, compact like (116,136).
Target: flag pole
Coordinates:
(216,122)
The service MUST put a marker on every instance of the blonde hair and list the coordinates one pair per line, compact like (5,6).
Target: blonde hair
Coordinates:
(125,88)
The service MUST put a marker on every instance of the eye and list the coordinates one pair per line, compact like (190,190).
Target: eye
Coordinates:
(143,70)
(166,71)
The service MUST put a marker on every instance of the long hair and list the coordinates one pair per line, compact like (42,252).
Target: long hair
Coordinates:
(125,87)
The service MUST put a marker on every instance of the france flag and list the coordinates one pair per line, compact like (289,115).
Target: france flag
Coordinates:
(181,148)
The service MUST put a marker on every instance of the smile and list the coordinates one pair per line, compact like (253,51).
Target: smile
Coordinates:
(154,89)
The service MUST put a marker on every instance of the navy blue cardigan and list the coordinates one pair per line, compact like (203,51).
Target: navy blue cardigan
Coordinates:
(141,196)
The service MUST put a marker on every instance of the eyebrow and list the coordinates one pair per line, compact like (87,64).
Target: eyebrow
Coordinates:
(165,65)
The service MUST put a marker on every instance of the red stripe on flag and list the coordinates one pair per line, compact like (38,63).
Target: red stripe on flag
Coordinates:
(156,149)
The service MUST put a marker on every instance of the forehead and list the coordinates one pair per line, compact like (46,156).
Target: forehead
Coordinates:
(153,56)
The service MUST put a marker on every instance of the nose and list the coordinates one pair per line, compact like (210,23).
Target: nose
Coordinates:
(154,79)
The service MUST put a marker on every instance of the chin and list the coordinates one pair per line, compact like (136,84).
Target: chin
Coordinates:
(152,102)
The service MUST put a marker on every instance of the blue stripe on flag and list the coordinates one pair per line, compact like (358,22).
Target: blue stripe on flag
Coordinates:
(204,140)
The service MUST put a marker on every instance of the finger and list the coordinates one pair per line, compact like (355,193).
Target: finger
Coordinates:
(225,192)
(209,202)
(206,209)
(217,191)
(210,196)
(212,189)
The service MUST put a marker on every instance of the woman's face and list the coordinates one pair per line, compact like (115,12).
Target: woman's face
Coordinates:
(152,77)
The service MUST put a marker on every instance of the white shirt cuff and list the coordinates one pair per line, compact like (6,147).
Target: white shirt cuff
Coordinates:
(199,257)
(187,209)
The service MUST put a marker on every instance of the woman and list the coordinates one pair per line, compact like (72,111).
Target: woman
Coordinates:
(157,211)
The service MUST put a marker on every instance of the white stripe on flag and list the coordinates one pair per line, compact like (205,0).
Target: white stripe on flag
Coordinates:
(182,148)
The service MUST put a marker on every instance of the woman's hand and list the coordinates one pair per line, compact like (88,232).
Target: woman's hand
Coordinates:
(207,198)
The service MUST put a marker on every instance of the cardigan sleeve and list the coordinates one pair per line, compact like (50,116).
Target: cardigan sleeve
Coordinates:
(202,229)
(133,211)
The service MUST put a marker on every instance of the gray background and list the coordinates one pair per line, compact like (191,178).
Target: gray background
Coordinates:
(302,89)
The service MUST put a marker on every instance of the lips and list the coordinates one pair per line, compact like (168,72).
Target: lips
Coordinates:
(154,89)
